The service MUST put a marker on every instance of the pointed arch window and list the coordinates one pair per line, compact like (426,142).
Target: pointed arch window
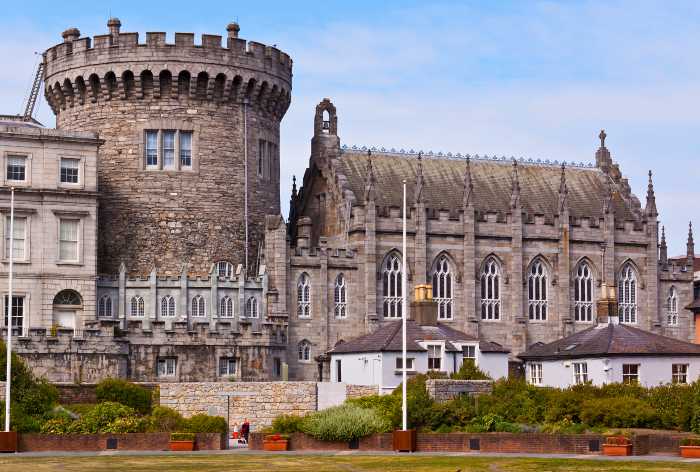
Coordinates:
(391,286)
(627,294)
(537,291)
(251,308)
(104,307)
(304,296)
(340,297)
(304,351)
(491,290)
(137,306)
(198,307)
(167,306)
(443,288)
(226,307)
(672,307)
(583,293)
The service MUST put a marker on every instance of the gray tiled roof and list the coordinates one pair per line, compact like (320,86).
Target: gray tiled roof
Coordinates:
(611,340)
(492,179)
(387,337)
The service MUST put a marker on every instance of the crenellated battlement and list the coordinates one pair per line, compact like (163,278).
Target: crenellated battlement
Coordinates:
(113,66)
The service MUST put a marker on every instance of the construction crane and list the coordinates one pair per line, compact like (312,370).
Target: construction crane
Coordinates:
(34,93)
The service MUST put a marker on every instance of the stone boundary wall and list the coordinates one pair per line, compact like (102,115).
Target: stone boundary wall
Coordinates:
(125,442)
(70,393)
(539,443)
(443,390)
(355,391)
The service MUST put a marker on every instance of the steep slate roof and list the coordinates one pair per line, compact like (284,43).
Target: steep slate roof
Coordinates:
(444,184)
(611,340)
(387,338)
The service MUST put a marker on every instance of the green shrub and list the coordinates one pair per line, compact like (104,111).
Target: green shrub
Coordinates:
(129,424)
(418,400)
(56,426)
(387,407)
(690,442)
(344,423)
(98,419)
(182,436)
(126,393)
(287,424)
(469,371)
(81,409)
(455,414)
(164,419)
(624,412)
(492,423)
(206,424)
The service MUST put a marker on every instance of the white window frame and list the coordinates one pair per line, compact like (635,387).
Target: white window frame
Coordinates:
(629,376)
(391,287)
(627,294)
(78,168)
(21,326)
(225,364)
(535,377)
(340,297)
(166,367)
(25,241)
(443,288)
(167,306)
(491,290)
(181,150)
(679,373)
(432,347)
(77,242)
(180,153)
(172,165)
(304,296)
(580,371)
(226,307)
(104,307)
(469,352)
(137,307)
(198,307)
(304,351)
(537,291)
(410,364)
(147,148)
(224,269)
(251,307)
(583,293)
(25,159)
(672,307)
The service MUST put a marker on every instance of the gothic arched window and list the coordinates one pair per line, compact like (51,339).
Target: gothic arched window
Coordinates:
(391,285)
(491,290)
(198,307)
(167,306)
(304,296)
(104,307)
(251,308)
(537,291)
(340,297)
(137,306)
(226,307)
(672,307)
(443,287)
(583,293)
(305,351)
(627,294)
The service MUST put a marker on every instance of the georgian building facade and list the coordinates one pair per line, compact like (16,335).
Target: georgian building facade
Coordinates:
(516,250)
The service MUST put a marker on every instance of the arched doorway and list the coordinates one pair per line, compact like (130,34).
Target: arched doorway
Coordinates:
(66,305)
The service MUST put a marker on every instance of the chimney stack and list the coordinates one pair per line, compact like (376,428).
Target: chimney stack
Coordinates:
(424,310)
(607,306)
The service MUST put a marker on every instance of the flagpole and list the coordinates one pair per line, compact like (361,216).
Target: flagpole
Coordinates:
(8,311)
(404,405)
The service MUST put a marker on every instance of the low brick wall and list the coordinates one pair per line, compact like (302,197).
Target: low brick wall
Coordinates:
(458,442)
(124,442)
(442,390)
(655,443)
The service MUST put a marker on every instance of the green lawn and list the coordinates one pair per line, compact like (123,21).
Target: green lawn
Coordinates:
(343,463)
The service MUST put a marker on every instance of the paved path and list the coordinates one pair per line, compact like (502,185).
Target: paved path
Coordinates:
(596,457)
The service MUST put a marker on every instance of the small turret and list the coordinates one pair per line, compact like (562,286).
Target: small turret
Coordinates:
(70,35)
(650,209)
(114,25)
(233,29)
(515,187)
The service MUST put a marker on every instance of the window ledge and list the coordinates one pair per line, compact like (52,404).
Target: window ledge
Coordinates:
(69,263)
(7,261)
(408,372)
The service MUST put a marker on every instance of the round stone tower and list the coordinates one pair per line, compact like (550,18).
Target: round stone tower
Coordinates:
(178,122)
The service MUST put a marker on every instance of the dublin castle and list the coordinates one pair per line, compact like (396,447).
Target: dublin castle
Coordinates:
(148,242)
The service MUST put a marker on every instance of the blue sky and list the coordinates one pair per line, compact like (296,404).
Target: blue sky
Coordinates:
(535,79)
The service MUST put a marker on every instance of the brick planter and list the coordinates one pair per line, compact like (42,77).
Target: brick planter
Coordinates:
(8,441)
(102,442)
(690,452)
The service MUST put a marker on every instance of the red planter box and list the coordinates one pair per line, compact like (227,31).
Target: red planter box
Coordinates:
(690,452)
(275,444)
(404,440)
(8,441)
(617,449)
(181,445)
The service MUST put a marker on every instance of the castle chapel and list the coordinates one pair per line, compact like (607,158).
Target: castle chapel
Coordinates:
(149,244)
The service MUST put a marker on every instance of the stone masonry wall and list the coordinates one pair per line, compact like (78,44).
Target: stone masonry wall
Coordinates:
(260,402)
(442,390)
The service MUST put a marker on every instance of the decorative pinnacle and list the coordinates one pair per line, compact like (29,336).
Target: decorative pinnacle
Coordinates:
(294,186)
(468,183)
(419,179)
(515,189)
(690,233)
(563,190)
(602,137)
(663,235)
(651,199)
(691,245)
(369,188)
